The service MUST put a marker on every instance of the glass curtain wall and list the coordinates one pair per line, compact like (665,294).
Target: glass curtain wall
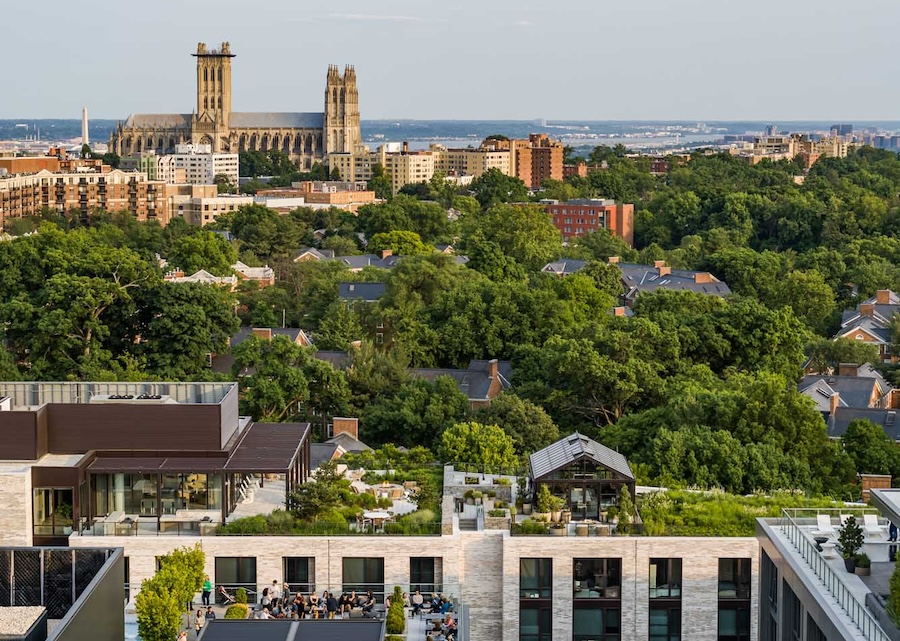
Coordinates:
(136,493)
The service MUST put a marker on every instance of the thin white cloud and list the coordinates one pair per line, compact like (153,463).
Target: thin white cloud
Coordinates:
(374,17)
(523,23)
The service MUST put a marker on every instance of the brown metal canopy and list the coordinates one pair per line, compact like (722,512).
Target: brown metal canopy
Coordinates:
(271,448)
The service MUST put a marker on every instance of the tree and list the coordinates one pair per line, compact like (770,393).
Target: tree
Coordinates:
(224,185)
(339,327)
(272,376)
(314,498)
(523,232)
(401,243)
(493,187)
(486,446)
(86,152)
(203,250)
(527,424)
(380,182)
(807,293)
(871,450)
(162,599)
(826,355)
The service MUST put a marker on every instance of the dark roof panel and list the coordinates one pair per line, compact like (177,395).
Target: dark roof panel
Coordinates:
(268,447)
(304,630)
(573,447)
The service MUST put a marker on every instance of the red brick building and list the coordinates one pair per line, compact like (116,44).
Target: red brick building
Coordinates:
(578,217)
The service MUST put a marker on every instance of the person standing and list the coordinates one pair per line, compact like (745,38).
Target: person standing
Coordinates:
(207,589)
(199,621)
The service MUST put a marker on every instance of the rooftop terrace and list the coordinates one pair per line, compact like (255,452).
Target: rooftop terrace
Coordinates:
(24,395)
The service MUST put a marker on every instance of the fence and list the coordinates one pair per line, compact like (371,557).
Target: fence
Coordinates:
(820,566)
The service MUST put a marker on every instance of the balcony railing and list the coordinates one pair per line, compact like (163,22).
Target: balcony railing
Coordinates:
(820,566)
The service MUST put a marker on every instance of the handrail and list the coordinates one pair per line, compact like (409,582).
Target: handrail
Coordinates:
(857,611)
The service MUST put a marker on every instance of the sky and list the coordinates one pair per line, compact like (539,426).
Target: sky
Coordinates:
(695,60)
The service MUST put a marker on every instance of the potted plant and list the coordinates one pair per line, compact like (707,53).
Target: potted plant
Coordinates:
(863,564)
(612,515)
(557,503)
(470,497)
(850,538)
(477,495)
(544,501)
(557,529)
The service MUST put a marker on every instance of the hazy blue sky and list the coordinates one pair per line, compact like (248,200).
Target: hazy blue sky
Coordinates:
(468,59)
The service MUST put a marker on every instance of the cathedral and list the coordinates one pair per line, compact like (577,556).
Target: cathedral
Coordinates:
(305,137)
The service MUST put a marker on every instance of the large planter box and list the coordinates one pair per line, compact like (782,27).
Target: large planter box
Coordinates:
(496,522)
(876,606)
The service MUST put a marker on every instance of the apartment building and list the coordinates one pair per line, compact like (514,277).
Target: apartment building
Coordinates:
(83,191)
(201,204)
(197,165)
(577,217)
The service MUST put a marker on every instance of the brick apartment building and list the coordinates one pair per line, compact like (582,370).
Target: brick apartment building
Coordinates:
(575,218)
(532,161)
(27,194)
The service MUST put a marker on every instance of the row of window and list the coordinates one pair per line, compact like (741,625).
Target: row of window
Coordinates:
(596,602)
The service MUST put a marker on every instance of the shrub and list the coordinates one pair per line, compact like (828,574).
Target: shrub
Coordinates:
(247,525)
(237,611)
(543,499)
(503,481)
(394,637)
(419,517)
(472,480)
(395,621)
(863,561)
(241,596)
(893,600)
(280,521)
(497,513)
(530,526)
(491,494)
(850,537)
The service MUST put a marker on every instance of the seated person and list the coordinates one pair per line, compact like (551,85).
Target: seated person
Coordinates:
(445,606)
(369,603)
(417,601)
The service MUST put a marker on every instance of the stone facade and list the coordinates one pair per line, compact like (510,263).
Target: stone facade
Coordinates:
(305,137)
(15,497)
(482,568)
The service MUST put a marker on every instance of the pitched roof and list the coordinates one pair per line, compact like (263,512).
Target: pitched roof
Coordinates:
(154,121)
(368,292)
(821,393)
(841,418)
(318,254)
(854,391)
(474,381)
(646,278)
(263,120)
(254,273)
(872,326)
(320,453)
(564,267)
(348,443)
(572,448)
(338,359)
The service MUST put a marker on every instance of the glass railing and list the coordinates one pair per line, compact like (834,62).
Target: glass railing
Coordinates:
(812,555)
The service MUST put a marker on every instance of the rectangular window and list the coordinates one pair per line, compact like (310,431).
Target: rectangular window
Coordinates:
(52,511)
(768,603)
(534,623)
(665,624)
(596,624)
(813,633)
(665,578)
(300,573)
(535,578)
(793,612)
(597,578)
(364,574)
(734,578)
(422,574)
(235,572)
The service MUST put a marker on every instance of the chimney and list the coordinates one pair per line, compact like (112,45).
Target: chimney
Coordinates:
(264,333)
(833,403)
(702,277)
(883,297)
(618,311)
(613,260)
(384,253)
(663,270)
(847,369)
(405,146)
(867,309)
(345,426)
(494,368)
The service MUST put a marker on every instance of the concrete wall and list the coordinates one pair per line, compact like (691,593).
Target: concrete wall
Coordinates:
(483,568)
(15,497)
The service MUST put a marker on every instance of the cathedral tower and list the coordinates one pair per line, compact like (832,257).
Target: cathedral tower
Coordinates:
(214,83)
(342,133)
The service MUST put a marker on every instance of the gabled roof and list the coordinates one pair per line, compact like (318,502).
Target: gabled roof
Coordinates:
(871,326)
(321,452)
(474,381)
(646,278)
(348,443)
(318,254)
(821,393)
(564,267)
(262,120)
(158,121)
(369,292)
(254,273)
(854,391)
(572,448)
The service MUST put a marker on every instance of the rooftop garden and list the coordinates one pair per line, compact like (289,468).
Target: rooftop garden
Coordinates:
(384,491)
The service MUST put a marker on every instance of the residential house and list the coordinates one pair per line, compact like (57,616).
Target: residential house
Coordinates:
(870,323)
(262,276)
(481,381)
(311,254)
(222,363)
(202,276)
(366,292)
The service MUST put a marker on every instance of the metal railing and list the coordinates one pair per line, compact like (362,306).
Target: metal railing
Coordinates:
(820,566)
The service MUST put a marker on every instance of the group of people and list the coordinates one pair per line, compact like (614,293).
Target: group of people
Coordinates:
(435,603)
(443,629)
(277,604)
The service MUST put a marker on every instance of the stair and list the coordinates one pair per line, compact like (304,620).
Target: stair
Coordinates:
(468,525)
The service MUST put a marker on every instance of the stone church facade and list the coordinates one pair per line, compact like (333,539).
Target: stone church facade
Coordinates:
(305,137)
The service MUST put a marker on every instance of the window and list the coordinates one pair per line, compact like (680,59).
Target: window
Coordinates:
(792,614)
(235,572)
(768,605)
(422,574)
(535,592)
(596,624)
(813,633)
(300,573)
(665,624)
(734,599)
(52,509)
(364,574)
(127,579)
(597,602)
(665,578)
(535,578)
(597,578)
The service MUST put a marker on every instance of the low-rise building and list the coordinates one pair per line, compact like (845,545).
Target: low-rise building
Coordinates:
(201,205)
(870,323)
(577,217)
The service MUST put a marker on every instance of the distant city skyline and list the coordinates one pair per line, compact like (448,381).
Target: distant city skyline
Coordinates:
(696,60)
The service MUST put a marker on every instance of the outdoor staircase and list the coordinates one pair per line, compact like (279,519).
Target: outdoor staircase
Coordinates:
(468,525)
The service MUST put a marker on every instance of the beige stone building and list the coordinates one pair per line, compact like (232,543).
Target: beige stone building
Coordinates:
(201,204)
(305,137)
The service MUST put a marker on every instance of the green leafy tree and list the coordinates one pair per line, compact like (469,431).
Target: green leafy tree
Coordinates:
(871,450)
(493,187)
(826,354)
(319,496)
(158,613)
(527,424)
(402,243)
(272,376)
(203,250)
(486,446)
(523,232)
(339,327)
(380,182)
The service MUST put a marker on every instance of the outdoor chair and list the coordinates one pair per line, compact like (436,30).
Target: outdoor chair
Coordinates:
(870,524)
(823,526)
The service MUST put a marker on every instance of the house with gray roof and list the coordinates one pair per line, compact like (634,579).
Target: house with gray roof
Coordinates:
(870,323)
(587,475)
(481,381)
(366,292)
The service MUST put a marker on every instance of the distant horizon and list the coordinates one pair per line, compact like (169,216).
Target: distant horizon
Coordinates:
(679,121)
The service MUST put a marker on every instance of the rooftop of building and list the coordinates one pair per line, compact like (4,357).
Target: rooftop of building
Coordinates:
(24,395)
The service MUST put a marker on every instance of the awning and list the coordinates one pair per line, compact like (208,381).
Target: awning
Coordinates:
(268,448)
(149,465)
